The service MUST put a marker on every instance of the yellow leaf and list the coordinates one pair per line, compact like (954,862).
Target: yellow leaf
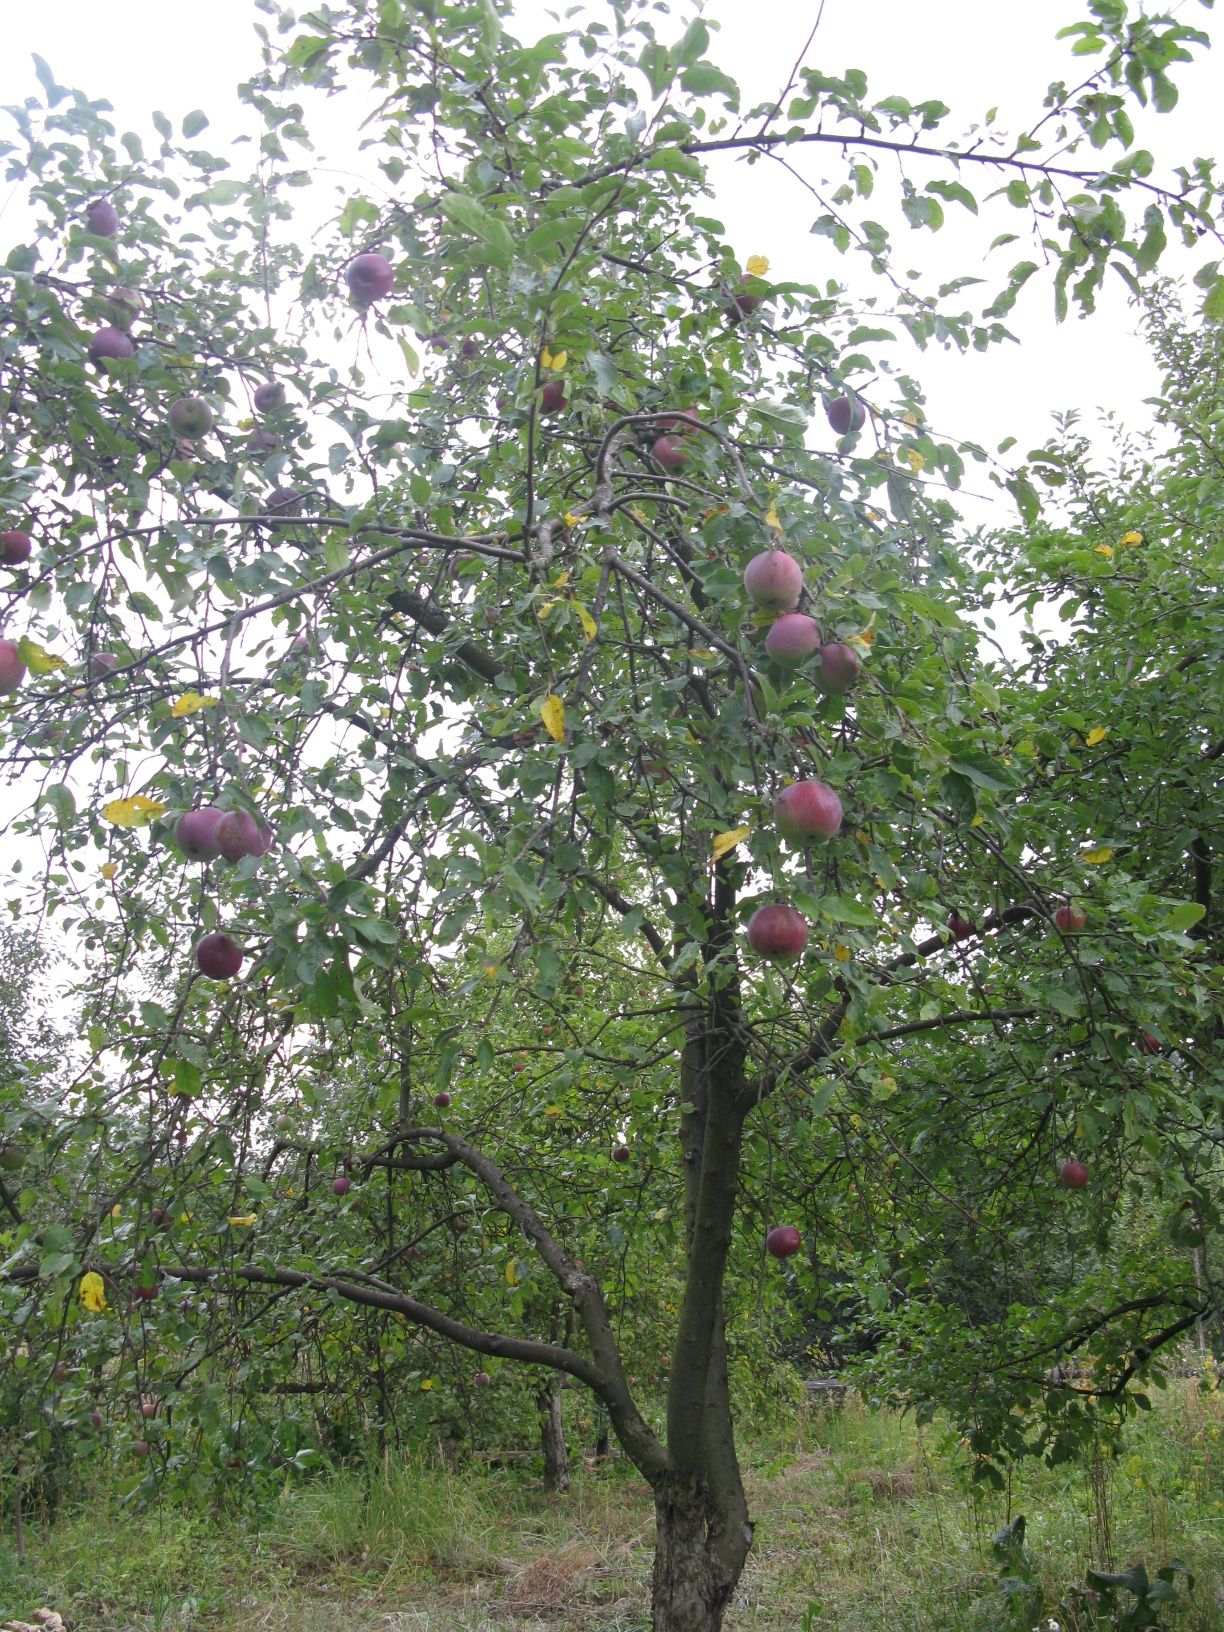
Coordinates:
(915,460)
(512,1278)
(134,812)
(116,1211)
(490,968)
(1106,550)
(554,360)
(571,520)
(109,869)
(426,1384)
(757,265)
(771,516)
(1131,539)
(560,581)
(840,952)
(702,654)
(978,821)
(547,607)
(589,627)
(911,418)
(36,659)
(552,1112)
(191,703)
(552,712)
(546,358)
(1097,734)
(863,836)
(243,1221)
(93,1292)
(1102,853)
(724,843)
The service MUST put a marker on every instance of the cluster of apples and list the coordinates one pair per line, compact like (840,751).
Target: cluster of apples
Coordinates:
(204,834)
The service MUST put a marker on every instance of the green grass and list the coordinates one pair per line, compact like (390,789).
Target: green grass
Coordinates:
(862,1524)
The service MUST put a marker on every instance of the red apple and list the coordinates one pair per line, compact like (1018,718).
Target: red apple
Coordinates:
(442,1101)
(670,452)
(749,294)
(141,1448)
(837,668)
(239,834)
(1149,1042)
(845,414)
(148,1409)
(260,442)
(341,1186)
(102,664)
(792,637)
(102,218)
(777,931)
(552,397)
(1069,918)
(161,1218)
(1073,1175)
(808,810)
(621,1153)
(783,1241)
(218,957)
(12,669)
(469,349)
(146,1294)
(962,928)
(481,1379)
(283,501)
(62,1371)
(110,344)
(95,1419)
(191,417)
(196,832)
(774,580)
(15,547)
(269,397)
(369,278)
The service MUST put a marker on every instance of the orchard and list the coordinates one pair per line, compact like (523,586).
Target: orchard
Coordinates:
(498,709)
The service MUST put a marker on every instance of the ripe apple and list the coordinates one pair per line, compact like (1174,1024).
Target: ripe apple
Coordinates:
(774,581)
(1149,1042)
(102,218)
(269,397)
(481,1379)
(148,1409)
(808,810)
(469,348)
(777,931)
(962,928)
(621,1153)
(62,1371)
(191,417)
(218,957)
(141,1448)
(12,669)
(341,1186)
(110,344)
(146,1294)
(160,1218)
(442,1101)
(1069,918)
(845,414)
(95,1419)
(552,397)
(369,278)
(837,668)
(670,452)
(783,1241)
(125,307)
(238,834)
(1073,1175)
(15,547)
(102,664)
(196,832)
(261,442)
(748,295)
(792,637)
(283,501)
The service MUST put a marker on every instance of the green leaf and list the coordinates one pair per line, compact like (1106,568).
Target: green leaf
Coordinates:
(463,211)
(1184,916)
(194,123)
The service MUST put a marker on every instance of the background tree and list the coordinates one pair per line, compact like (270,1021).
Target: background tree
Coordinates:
(413,728)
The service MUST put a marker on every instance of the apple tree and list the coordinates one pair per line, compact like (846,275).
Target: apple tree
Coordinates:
(496,709)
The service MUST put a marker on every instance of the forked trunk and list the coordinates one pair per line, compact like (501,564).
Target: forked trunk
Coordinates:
(698,1560)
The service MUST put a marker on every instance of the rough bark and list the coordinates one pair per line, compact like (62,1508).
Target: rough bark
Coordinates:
(552,1438)
(695,1572)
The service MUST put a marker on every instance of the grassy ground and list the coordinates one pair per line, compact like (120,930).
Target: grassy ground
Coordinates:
(862,1525)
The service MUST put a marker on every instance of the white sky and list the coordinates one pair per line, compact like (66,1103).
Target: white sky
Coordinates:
(141,54)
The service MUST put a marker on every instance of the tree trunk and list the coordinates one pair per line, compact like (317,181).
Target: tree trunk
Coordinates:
(552,1439)
(697,1563)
